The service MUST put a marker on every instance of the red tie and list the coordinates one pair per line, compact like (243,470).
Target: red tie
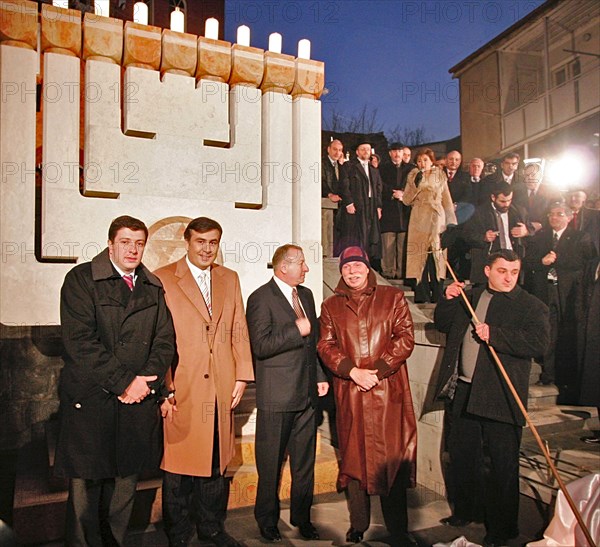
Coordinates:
(128,278)
(574,220)
(296,304)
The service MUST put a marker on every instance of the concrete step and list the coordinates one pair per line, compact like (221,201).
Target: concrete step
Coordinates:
(561,429)
(540,397)
(38,500)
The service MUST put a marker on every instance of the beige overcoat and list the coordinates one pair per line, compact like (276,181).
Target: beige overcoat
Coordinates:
(432,211)
(212,355)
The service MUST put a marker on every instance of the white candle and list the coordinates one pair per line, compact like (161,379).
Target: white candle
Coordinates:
(275,42)
(60,4)
(140,13)
(211,28)
(177,20)
(304,49)
(243,35)
(102,7)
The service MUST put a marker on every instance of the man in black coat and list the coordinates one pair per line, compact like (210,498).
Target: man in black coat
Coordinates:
(284,330)
(332,172)
(361,206)
(507,173)
(584,219)
(462,193)
(588,320)
(118,344)
(394,214)
(494,226)
(484,414)
(556,258)
(534,196)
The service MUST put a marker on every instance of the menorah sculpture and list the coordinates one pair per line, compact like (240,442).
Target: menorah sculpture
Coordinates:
(100,118)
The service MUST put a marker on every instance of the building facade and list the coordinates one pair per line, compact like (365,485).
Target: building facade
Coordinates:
(534,88)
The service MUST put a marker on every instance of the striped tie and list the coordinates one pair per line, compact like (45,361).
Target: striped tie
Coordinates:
(205,290)
(296,304)
(128,278)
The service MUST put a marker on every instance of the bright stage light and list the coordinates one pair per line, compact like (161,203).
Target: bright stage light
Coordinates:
(568,171)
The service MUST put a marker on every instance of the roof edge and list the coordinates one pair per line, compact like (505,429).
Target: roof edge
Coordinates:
(540,10)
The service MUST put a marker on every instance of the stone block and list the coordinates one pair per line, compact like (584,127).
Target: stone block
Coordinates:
(102,39)
(142,46)
(214,60)
(247,66)
(279,74)
(179,53)
(310,78)
(18,23)
(61,30)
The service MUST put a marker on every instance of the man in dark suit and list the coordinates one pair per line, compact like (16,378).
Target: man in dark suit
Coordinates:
(394,214)
(461,191)
(332,169)
(485,418)
(494,226)
(118,343)
(556,258)
(534,197)
(459,182)
(361,202)
(284,331)
(507,173)
(584,219)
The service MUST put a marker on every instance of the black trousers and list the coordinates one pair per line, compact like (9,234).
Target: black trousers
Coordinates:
(393,506)
(98,511)
(276,432)
(190,501)
(484,494)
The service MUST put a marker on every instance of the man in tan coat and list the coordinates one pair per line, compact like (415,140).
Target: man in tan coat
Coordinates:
(206,383)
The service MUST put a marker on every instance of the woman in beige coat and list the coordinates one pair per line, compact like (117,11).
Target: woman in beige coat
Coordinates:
(427,193)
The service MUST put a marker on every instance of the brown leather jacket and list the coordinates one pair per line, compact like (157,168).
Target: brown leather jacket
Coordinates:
(377,429)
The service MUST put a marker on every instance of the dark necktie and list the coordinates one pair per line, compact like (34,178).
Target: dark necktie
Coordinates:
(501,230)
(128,278)
(296,304)
(552,275)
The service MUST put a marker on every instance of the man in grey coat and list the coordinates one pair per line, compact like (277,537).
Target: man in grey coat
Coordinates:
(118,343)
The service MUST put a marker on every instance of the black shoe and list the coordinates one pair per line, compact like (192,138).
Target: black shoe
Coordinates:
(405,540)
(494,541)
(455,521)
(591,440)
(354,536)
(308,531)
(270,533)
(220,539)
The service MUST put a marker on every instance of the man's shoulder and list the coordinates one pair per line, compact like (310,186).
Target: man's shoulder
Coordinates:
(80,272)
(528,301)
(260,291)
(164,273)
(225,273)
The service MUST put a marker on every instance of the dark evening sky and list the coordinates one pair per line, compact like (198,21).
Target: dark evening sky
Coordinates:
(392,55)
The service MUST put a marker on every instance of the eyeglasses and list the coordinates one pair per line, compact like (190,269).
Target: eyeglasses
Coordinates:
(556,215)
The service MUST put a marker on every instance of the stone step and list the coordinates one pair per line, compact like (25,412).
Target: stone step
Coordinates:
(246,453)
(560,428)
(541,397)
(40,502)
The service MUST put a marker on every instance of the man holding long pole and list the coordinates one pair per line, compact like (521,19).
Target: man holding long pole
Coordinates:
(485,418)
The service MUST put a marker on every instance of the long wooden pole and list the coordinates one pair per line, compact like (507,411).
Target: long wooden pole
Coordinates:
(532,427)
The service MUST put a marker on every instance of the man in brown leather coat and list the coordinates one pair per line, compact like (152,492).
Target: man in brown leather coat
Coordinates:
(366,338)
